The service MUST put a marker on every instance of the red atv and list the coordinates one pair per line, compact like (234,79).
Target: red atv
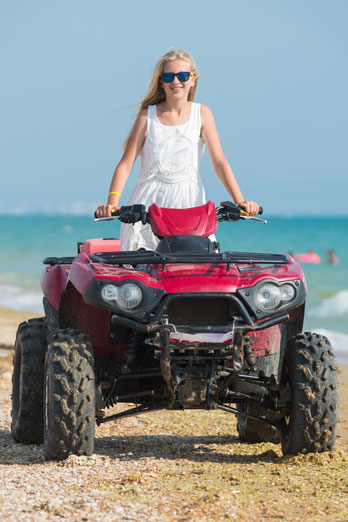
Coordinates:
(182,327)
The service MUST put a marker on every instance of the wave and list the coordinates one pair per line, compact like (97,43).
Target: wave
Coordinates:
(19,298)
(338,341)
(335,306)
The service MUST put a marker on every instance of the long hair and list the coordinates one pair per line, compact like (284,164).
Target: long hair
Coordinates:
(155,94)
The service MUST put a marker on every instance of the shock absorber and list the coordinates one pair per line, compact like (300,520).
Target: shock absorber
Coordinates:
(132,347)
(249,355)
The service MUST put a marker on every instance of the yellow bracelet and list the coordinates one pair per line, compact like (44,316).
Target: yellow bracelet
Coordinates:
(115,192)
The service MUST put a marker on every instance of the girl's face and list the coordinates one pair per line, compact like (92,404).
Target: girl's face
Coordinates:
(177,90)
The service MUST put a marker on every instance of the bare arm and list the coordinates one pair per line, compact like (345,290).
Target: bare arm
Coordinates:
(220,164)
(122,171)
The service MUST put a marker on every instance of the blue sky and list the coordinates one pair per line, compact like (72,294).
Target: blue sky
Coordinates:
(274,73)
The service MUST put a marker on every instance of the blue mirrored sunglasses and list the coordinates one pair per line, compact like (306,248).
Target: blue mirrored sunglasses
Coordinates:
(181,76)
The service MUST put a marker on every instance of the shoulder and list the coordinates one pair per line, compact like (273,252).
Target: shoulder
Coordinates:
(141,118)
(206,115)
(142,115)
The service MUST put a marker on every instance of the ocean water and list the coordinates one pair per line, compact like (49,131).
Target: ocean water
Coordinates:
(26,240)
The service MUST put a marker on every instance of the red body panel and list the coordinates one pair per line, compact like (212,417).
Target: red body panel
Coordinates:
(175,278)
(53,282)
(91,246)
(196,221)
(217,278)
(266,341)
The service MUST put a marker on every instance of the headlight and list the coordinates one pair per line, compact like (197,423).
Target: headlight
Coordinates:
(127,296)
(287,292)
(268,297)
(109,292)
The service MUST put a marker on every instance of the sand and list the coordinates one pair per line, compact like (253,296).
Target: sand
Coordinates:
(168,466)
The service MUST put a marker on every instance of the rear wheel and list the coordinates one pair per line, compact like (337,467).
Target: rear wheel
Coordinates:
(69,395)
(310,373)
(28,382)
(253,430)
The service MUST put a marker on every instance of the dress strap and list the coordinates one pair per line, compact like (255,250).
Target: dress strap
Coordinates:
(151,111)
(151,114)
(196,118)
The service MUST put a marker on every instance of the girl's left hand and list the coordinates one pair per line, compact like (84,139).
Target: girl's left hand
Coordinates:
(251,207)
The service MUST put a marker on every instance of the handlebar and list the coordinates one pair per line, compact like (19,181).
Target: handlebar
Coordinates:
(128,214)
(227,211)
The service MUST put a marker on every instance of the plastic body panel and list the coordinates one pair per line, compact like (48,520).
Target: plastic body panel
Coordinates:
(196,221)
(92,246)
(53,283)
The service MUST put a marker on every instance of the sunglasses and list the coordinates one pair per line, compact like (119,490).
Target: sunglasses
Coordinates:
(181,76)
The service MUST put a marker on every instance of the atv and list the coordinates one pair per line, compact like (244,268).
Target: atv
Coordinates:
(182,327)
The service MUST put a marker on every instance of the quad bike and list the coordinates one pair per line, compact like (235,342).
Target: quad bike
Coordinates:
(182,327)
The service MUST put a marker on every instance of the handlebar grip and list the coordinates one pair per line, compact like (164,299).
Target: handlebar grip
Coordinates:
(260,210)
(113,213)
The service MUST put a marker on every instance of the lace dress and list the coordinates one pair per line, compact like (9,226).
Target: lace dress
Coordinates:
(168,176)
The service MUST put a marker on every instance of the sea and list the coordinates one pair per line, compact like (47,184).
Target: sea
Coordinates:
(26,240)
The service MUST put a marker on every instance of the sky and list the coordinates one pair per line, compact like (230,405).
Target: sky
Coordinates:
(273,72)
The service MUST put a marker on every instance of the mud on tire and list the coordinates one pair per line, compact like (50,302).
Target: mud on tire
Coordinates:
(310,372)
(28,382)
(69,395)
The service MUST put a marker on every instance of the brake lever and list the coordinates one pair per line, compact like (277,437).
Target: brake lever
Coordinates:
(264,221)
(110,218)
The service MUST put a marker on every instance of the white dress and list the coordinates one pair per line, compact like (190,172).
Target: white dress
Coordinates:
(169,177)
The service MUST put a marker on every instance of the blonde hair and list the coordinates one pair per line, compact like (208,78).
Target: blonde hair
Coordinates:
(155,94)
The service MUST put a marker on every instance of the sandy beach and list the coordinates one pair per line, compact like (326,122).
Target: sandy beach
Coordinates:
(168,466)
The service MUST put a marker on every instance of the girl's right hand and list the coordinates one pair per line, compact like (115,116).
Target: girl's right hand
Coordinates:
(105,210)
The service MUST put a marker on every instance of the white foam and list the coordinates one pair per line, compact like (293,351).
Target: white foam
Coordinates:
(19,298)
(338,341)
(335,306)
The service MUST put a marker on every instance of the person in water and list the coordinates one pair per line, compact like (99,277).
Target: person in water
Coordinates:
(170,133)
(332,258)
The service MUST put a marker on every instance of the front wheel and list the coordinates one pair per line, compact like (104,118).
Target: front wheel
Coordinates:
(69,395)
(310,373)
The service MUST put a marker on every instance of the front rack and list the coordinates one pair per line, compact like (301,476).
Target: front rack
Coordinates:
(151,257)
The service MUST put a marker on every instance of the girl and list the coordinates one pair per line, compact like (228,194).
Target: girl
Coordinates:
(170,132)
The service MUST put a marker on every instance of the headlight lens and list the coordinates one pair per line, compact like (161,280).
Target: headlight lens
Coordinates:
(127,296)
(109,293)
(287,292)
(268,297)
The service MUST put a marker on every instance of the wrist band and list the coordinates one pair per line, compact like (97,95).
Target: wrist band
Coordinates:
(115,192)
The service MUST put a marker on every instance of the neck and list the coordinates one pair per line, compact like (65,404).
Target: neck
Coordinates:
(178,106)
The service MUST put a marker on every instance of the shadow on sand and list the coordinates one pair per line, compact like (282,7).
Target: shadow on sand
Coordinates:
(132,448)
